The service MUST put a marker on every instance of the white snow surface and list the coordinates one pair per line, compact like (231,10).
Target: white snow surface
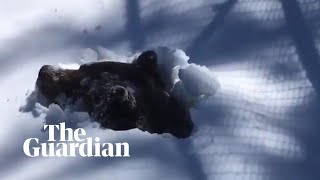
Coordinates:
(262,123)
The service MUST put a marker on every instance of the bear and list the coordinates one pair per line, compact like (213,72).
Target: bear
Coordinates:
(120,96)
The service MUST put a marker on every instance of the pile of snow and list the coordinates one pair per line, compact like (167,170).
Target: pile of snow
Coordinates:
(187,82)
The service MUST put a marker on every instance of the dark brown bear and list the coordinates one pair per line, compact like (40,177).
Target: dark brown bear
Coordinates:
(120,96)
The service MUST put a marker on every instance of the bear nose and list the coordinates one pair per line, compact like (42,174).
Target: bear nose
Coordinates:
(151,57)
(119,91)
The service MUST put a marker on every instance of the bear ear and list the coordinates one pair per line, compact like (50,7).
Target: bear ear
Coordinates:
(147,60)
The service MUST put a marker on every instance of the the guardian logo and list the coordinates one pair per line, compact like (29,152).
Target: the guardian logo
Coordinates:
(73,145)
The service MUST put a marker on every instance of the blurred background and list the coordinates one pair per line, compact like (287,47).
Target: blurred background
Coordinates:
(262,124)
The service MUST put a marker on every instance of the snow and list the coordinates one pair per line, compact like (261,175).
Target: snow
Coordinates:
(262,123)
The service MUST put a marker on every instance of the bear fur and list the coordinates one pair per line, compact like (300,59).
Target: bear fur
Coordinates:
(119,96)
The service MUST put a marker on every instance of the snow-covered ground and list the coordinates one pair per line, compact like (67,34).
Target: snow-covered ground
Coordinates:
(261,124)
